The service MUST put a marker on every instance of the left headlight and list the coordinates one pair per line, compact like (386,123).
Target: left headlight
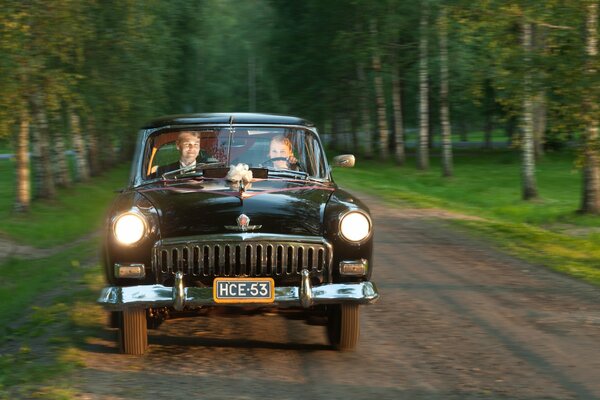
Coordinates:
(355,226)
(129,228)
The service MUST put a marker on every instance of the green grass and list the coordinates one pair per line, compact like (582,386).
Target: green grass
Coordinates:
(75,211)
(488,185)
(23,281)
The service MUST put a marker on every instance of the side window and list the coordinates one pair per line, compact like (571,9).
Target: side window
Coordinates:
(166,154)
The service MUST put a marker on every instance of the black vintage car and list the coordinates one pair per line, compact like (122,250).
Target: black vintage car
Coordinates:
(237,211)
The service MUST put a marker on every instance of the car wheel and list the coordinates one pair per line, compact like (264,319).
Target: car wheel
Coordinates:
(343,326)
(133,332)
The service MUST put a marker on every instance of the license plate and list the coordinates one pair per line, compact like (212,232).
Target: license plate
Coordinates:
(243,290)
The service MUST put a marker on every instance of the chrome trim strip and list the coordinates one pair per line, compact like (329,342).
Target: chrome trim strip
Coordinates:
(119,298)
(239,237)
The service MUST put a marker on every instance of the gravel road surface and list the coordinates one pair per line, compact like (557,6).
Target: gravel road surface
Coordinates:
(456,320)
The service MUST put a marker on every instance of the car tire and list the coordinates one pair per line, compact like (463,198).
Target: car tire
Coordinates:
(133,332)
(343,326)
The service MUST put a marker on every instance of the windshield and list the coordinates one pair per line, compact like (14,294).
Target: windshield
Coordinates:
(282,150)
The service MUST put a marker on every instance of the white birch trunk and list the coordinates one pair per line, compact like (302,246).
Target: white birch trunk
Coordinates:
(423,162)
(62,176)
(364,113)
(380,101)
(44,177)
(591,172)
(399,152)
(93,155)
(23,183)
(447,166)
(529,187)
(83,173)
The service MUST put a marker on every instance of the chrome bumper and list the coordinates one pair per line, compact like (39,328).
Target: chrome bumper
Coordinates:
(146,296)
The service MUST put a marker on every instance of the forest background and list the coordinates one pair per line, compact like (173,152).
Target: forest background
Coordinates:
(459,87)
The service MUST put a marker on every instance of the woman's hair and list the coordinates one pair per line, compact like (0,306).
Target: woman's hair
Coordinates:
(285,141)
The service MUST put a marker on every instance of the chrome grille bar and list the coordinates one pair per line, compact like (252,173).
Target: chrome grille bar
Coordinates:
(242,255)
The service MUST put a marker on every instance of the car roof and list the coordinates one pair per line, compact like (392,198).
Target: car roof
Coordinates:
(225,118)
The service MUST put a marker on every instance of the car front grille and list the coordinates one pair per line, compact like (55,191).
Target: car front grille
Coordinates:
(203,258)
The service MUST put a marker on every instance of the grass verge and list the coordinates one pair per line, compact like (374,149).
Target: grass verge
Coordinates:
(75,212)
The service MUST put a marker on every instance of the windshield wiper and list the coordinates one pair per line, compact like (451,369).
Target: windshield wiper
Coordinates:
(288,173)
(194,170)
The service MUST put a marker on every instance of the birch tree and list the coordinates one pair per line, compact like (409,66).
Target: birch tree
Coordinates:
(529,186)
(447,166)
(23,183)
(365,115)
(399,152)
(379,96)
(423,158)
(591,170)
(81,159)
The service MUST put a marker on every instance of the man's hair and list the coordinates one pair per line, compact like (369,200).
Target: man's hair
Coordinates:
(193,133)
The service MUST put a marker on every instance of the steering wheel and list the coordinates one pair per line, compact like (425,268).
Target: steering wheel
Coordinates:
(296,166)
(274,159)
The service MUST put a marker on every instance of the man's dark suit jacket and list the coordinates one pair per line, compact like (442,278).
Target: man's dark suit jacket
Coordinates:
(163,169)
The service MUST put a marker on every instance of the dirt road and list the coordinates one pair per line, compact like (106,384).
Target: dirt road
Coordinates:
(457,320)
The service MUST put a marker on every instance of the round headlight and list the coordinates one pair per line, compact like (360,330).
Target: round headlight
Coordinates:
(129,228)
(355,226)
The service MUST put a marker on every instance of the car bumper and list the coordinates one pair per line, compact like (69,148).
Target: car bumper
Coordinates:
(179,297)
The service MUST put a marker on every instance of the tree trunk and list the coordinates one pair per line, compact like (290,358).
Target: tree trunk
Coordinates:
(83,173)
(444,107)
(62,175)
(423,92)
(539,100)
(93,156)
(44,177)
(591,173)
(23,184)
(365,115)
(380,101)
(529,189)
(399,152)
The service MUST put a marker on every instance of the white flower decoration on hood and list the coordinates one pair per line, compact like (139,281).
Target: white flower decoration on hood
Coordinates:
(239,173)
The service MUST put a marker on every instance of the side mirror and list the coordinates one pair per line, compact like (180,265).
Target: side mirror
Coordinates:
(344,160)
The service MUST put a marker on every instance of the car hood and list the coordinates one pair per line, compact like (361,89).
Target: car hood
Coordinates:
(212,206)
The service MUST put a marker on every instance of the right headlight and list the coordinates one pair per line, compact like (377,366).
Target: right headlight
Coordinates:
(129,228)
(355,226)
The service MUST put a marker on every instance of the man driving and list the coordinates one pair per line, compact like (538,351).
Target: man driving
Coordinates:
(188,145)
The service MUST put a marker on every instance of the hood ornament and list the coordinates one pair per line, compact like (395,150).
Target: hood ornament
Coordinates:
(243,224)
